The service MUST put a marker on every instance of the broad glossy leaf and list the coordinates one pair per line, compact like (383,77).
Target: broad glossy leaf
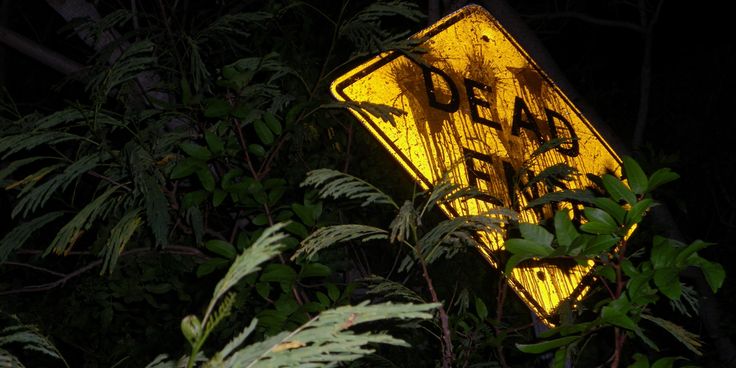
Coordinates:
(617,190)
(611,207)
(263,133)
(637,211)
(565,230)
(196,151)
(536,234)
(597,227)
(617,316)
(221,247)
(660,177)
(637,179)
(668,282)
(528,248)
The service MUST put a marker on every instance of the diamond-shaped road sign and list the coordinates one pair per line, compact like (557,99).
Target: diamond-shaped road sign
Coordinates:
(476,107)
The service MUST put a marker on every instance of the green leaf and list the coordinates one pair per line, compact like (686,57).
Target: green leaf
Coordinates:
(196,151)
(611,207)
(193,199)
(714,272)
(684,254)
(216,108)
(524,247)
(481,309)
(214,143)
(599,244)
(668,282)
(615,314)
(599,228)
(666,362)
(543,346)
(598,215)
(637,211)
(635,175)
(206,178)
(218,196)
(273,124)
(157,209)
(304,213)
(22,232)
(185,168)
(660,177)
(314,269)
(257,150)
(536,234)
(263,133)
(221,247)
(512,262)
(565,230)
(617,190)
(276,272)
(333,292)
(664,252)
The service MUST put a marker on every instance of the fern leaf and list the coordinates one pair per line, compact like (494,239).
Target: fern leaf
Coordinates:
(25,141)
(37,198)
(327,340)
(29,338)
(17,164)
(264,248)
(231,24)
(335,184)
(20,234)
(223,310)
(119,236)
(157,209)
(556,173)
(403,224)
(365,31)
(328,236)
(579,195)
(69,234)
(235,343)
(386,289)
(687,338)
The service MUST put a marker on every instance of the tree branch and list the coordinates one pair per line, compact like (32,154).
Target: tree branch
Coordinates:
(40,53)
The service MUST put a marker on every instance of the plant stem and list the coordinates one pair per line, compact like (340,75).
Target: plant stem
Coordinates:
(447,356)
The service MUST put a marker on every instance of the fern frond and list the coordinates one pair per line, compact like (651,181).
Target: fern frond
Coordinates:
(135,59)
(386,289)
(264,248)
(365,31)
(328,236)
(687,338)
(29,338)
(231,24)
(223,310)
(119,237)
(26,141)
(386,113)
(17,164)
(335,184)
(20,234)
(157,209)
(452,235)
(234,343)
(404,223)
(556,173)
(27,184)
(37,198)
(327,340)
(82,221)
(579,195)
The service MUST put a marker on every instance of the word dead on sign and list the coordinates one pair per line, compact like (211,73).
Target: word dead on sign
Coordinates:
(476,106)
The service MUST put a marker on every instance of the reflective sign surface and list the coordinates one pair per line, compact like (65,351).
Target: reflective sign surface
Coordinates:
(476,106)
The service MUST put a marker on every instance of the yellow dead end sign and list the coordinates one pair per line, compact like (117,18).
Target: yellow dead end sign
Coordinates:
(476,106)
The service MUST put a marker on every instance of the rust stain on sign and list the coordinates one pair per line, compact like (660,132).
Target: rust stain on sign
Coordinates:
(477,106)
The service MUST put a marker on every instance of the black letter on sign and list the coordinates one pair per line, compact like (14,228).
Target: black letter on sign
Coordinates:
(574,149)
(429,85)
(475,174)
(474,102)
(529,123)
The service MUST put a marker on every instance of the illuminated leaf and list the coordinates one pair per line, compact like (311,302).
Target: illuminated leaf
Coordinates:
(660,177)
(617,190)
(525,247)
(543,346)
(597,227)
(637,211)
(565,230)
(635,175)
(611,207)
(596,214)
(600,244)
(536,233)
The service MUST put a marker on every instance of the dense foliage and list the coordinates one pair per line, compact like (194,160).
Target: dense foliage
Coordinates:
(204,153)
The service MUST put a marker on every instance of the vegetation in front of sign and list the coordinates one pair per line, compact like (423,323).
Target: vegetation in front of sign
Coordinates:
(632,281)
(143,203)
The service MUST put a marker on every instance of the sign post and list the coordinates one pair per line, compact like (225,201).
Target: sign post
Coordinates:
(476,106)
